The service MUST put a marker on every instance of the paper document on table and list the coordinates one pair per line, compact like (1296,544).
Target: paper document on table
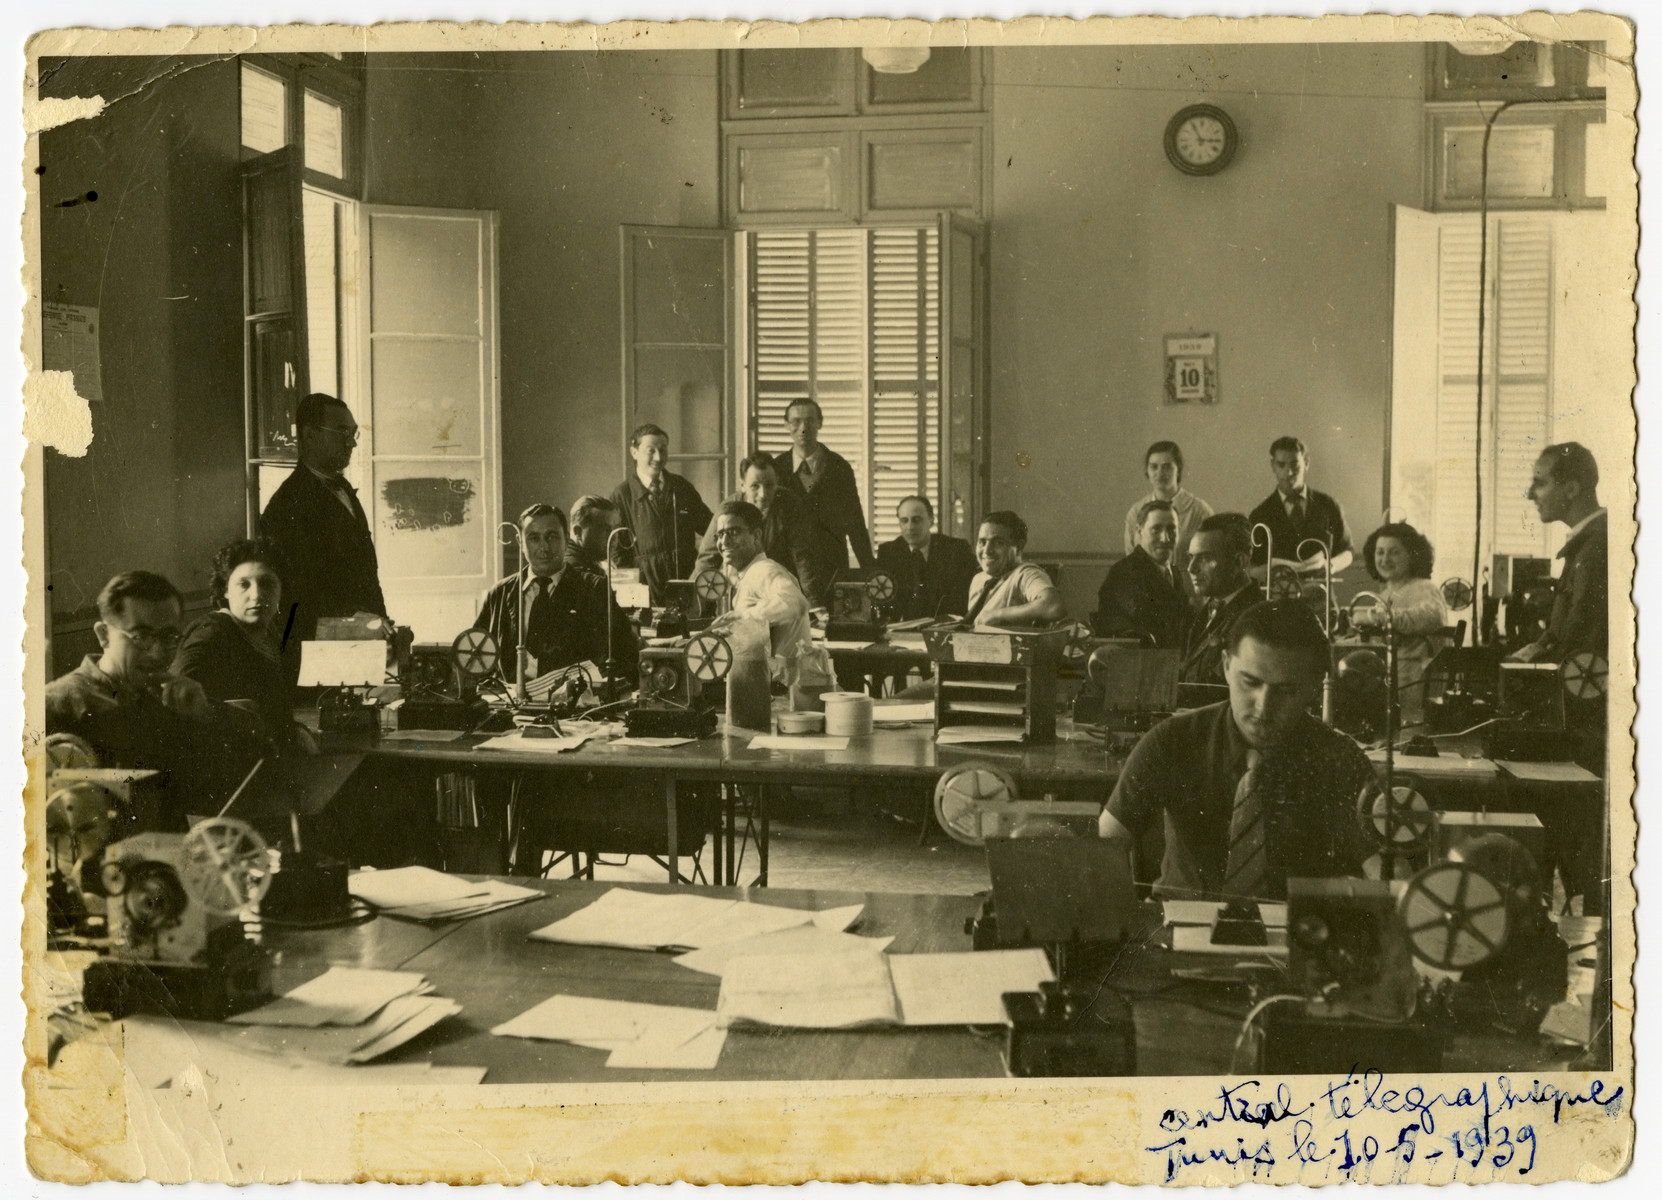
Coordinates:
(808,939)
(964,988)
(638,1035)
(906,641)
(921,710)
(343,664)
(534,745)
(338,1045)
(634,920)
(1433,765)
(773,741)
(913,624)
(739,921)
(1197,939)
(1546,772)
(839,990)
(858,644)
(969,735)
(339,996)
(652,743)
(838,919)
(996,708)
(400,886)
(1204,912)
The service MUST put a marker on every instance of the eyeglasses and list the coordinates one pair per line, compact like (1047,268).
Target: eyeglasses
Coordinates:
(728,534)
(350,435)
(151,639)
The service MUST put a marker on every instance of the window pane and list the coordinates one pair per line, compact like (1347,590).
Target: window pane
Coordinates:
(322,291)
(793,78)
(323,136)
(944,78)
(428,397)
(265,125)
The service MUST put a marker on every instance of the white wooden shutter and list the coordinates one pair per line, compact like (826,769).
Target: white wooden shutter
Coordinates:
(1435,436)
(905,372)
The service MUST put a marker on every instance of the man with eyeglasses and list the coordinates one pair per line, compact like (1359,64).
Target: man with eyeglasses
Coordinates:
(318,529)
(128,706)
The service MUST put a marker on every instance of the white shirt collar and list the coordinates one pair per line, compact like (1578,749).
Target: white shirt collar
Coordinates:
(1584,522)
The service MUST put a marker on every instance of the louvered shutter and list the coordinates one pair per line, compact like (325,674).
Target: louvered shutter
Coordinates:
(851,318)
(1435,437)
(905,372)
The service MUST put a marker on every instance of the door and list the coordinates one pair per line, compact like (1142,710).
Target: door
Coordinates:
(964,485)
(431,443)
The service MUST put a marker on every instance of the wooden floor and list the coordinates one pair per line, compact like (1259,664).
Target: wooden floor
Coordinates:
(830,839)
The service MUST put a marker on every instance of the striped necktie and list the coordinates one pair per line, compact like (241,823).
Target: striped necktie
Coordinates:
(1244,875)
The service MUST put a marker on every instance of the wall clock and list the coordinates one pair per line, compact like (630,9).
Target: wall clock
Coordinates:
(1201,139)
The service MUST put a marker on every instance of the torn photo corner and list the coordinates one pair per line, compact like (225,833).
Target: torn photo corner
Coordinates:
(363,294)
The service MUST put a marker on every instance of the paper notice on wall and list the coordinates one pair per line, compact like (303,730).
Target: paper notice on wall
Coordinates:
(69,342)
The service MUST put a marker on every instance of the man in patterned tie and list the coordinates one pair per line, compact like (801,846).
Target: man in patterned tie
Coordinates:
(1254,790)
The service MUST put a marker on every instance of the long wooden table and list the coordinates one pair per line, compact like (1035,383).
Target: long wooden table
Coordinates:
(887,756)
(490,966)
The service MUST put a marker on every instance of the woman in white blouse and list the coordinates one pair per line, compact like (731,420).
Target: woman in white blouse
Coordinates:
(1400,557)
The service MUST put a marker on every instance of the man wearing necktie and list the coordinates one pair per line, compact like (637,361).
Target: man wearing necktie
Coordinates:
(318,529)
(932,572)
(663,510)
(1143,595)
(1254,790)
(824,481)
(565,606)
(1218,557)
(1296,512)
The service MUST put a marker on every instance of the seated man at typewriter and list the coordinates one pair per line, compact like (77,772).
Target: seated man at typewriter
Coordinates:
(1218,556)
(761,588)
(127,705)
(1253,790)
(1007,591)
(566,607)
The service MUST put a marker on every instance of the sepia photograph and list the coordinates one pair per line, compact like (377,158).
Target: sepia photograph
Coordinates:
(1053,599)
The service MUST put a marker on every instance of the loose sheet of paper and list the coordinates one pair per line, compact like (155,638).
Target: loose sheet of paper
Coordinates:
(651,920)
(1197,939)
(969,735)
(638,1035)
(534,745)
(339,996)
(1204,912)
(403,886)
(781,943)
(839,990)
(1547,772)
(775,741)
(964,988)
(652,743)
(343,664)
(904,710)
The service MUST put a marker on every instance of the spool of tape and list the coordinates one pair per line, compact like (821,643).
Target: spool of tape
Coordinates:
(847,714)
(801,722)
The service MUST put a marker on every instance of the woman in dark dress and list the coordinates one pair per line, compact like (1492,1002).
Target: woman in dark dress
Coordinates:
(234,652)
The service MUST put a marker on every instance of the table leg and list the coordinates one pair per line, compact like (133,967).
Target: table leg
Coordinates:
(725,798)
(762,836)
(671,857)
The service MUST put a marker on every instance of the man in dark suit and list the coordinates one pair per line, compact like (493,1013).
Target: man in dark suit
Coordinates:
(663,510)
(1218,556)
(317,527)
(592,520)
(1565,488)
(931,571)
(566,606)
(825,482)
(1296,512)
(786,537)
(1142,595)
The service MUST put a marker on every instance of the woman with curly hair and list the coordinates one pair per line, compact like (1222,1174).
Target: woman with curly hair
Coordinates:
(235,652)
(1400,557)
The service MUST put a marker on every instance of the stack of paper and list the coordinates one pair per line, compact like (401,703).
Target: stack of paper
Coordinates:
(848,987)
(653,921)
(894,712)
(960,735)
(638,1035)
(535,744)
(797,940)
(423,894)
(346,1015)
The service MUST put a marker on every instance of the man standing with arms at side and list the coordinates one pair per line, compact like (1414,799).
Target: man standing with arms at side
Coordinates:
(1218,556)
(785,524)
(1295,511)
(1251,791)
(317,527)
(931,571)
(663,510)
(825,482)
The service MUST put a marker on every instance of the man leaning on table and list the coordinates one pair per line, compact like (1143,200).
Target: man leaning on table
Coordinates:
(1253,790)
(761,587)
(1008,591)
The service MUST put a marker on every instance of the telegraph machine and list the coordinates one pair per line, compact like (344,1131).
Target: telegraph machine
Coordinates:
(176,904)
(673,701)
(860,603)
(439,684)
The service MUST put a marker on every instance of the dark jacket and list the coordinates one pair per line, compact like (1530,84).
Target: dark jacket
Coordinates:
(325,556)
(943,585)
(1323,520)
(566,628)
(786,539)
(1209,633)
(576,556)
(837,518)
(220,657)
(1138,597)
(666,531)
(1580,607)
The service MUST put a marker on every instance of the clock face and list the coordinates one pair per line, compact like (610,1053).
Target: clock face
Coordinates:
(1200,140)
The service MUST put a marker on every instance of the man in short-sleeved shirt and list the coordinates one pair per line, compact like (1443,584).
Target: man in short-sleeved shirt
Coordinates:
(1008,591)
(1188,772)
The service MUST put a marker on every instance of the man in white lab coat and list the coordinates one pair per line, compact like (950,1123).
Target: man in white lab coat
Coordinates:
(761,588)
